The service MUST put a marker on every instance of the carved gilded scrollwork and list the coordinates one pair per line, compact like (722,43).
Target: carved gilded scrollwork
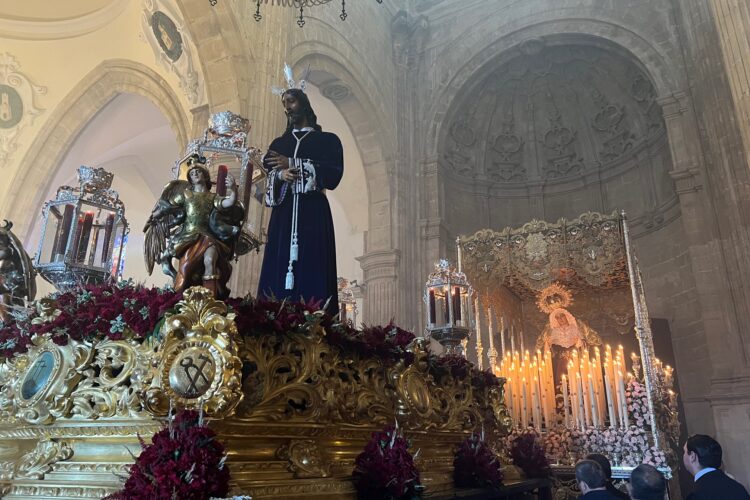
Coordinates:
(81,379)
(196,363)
(305,459)
(39,461)
(304,410)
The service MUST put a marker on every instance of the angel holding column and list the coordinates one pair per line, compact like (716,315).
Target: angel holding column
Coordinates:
(196,228)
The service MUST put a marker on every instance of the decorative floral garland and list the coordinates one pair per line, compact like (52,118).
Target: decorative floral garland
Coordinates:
(129,310)
(385,470)
(476,465)
(183,461)
(637,401)
(627,447)
(115,311)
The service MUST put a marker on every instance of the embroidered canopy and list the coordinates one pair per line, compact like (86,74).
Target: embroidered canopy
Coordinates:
(586,252)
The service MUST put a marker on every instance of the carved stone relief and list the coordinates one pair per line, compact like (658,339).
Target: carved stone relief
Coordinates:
(507,148)
(18,106)
(458,155)
(609,120)
(163,29)
(555,112)
(562,158)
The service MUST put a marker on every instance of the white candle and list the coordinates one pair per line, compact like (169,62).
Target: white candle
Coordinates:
(565,398)
(624,402)
(592,399)
(509,395)
(524,412)
(537,410)
(610,403)
(581,405)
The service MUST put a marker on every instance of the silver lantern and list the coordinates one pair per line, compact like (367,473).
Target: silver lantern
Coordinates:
(448,297)
(84,232)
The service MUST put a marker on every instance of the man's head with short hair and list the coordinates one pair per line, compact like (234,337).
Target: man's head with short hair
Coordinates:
(590,476)
(603,463)
(701,451)
(647,483)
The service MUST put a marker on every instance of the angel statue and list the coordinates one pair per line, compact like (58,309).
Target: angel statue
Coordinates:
(17,275)
(197,228)
(563,332)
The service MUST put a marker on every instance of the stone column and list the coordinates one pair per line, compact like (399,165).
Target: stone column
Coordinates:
(380,290)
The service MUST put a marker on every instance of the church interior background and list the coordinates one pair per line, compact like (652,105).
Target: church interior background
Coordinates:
(455,117)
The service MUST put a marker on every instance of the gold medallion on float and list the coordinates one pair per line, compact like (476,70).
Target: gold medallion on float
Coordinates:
(192,372)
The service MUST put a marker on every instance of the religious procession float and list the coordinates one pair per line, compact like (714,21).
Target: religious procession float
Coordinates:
(110,388)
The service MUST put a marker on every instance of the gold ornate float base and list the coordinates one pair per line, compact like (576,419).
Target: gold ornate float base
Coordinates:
(292,410)
(280,461)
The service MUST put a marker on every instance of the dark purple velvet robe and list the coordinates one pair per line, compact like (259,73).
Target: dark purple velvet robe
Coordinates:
(315,270)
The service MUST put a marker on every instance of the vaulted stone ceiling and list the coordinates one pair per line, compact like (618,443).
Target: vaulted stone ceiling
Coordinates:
(44,10)
(552,115)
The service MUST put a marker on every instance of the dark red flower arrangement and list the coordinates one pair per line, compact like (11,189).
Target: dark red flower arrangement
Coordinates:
(263,316)
(476,465)
(108,310)
(385,470)
(528,454)
(126,309)
(184,461)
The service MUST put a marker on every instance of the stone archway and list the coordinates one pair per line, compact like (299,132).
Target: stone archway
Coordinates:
(224,56)
(678,250)
(70,117)
(665,74)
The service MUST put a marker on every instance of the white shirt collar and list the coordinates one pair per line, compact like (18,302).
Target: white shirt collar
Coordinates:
(303,129)
(703,472)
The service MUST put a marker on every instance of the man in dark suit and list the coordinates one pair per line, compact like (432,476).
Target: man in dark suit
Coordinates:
(647,483)
(592,481)
(607,468)
(702,458)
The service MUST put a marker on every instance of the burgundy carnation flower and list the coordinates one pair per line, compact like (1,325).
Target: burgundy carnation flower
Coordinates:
(528,454)
(385,470)
(183,461)
(476,465)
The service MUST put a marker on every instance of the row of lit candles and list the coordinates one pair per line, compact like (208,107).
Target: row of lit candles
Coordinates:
(593,390)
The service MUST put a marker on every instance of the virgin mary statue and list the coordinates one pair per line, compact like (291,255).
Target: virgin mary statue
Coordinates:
(563,331)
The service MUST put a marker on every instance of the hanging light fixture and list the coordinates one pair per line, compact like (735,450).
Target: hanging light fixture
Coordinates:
(301,5)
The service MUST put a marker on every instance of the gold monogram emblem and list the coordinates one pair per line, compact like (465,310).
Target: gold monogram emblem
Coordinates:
(197,362)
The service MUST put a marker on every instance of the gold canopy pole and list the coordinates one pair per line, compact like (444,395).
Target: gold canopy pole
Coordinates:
(642,330)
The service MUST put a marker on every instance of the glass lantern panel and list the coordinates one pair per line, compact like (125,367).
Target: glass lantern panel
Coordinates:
(57,233)
(49,246)
(102,246)
(118,249)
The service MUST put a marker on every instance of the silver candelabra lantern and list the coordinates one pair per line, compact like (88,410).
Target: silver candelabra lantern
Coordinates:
(347,301)
(448,297)
(225,146)
(84,232)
